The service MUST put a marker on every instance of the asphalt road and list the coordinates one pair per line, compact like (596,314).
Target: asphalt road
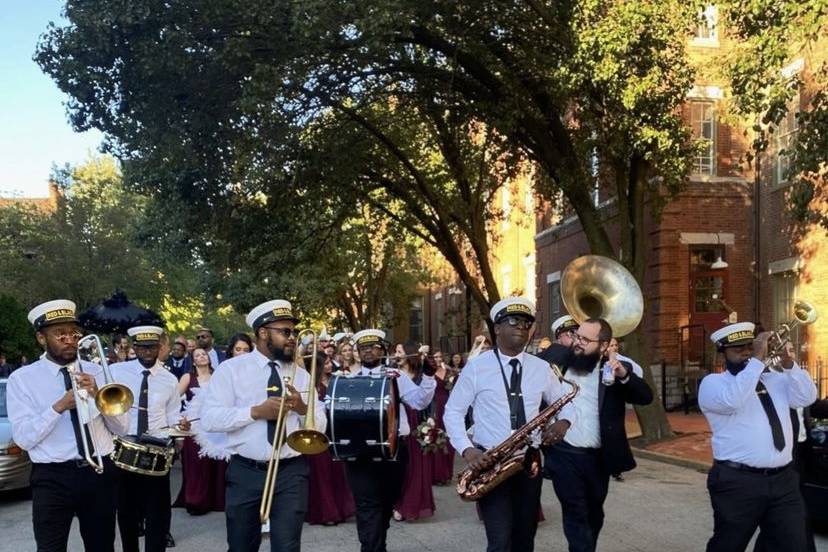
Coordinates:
(658,508)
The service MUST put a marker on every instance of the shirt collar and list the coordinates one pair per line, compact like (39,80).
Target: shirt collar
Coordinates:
(262,361)
(53,366)
(504,358)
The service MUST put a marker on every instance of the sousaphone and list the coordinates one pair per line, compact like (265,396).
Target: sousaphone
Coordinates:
(593,286)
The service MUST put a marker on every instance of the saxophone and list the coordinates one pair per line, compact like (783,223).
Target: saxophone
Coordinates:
(514,454)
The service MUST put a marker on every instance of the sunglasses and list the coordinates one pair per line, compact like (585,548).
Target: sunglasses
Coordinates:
(519,323)
(202,336)
(67,336)
(286,332)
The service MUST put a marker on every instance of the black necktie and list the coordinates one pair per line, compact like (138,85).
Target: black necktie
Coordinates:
(143,401)
(67,382)
(773,417)
(274,389)
(516,397)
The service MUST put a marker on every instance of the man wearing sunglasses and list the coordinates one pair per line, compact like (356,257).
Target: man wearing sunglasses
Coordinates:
(564,330)
(47,423)
(505,387)
(204,340)
(243,401)
(584,455)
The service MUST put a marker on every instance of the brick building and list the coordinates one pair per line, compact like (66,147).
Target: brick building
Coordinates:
(725,249)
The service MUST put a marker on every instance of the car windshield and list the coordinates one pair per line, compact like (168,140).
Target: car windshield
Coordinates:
(3,412)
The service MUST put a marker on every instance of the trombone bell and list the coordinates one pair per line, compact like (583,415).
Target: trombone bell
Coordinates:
(308,441)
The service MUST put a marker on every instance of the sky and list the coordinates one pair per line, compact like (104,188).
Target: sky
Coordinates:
(34,129)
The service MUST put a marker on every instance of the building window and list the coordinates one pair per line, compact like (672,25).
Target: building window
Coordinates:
(415,321)
(784,138)
(555,305)
(703,124)
(706,32)
(785,291)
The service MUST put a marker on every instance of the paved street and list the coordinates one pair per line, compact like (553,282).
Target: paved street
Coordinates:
(658,508)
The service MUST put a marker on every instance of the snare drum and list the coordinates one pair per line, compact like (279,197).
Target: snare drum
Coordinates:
(143,458)
(364,417)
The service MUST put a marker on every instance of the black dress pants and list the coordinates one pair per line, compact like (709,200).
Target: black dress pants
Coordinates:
(581,484)
(743,501)
(144,497)
(376,486)
(65,490)
(510,514)
(244,483)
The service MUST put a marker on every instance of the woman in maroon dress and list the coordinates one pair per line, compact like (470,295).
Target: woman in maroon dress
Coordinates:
(202,488)
(443,460)
(417,499)
(329,498)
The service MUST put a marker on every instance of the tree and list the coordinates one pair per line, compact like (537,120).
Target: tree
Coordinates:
(771,35)
(203,96)
(16,334)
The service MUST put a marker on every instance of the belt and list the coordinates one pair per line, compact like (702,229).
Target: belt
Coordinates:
(76,463)
(566,447)
(750,469)
(262,465)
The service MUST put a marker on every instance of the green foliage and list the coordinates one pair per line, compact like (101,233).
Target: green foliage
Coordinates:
(772,33)
(16,334)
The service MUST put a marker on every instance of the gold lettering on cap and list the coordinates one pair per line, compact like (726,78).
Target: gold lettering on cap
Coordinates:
(368,339)
(739,336)
(518,307)
(59,313)
(146,336)
(281,311)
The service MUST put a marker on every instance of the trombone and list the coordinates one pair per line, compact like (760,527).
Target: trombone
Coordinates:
(307,440)
(113,399)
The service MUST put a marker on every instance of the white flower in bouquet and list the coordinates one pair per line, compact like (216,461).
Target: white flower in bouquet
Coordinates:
(430,422)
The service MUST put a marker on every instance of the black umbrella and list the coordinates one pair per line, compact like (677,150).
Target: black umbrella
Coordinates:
(116,315)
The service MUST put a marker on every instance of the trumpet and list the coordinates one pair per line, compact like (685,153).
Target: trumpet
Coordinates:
(307,440)
(112,399)
(805,314)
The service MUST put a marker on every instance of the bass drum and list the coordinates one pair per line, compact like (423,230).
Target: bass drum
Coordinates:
(143,458)
(363,413)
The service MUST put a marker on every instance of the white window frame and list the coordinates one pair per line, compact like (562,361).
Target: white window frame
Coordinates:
(706,32)
(783,137)
(704,164)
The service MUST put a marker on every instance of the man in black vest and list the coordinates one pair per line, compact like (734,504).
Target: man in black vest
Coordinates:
(581,463)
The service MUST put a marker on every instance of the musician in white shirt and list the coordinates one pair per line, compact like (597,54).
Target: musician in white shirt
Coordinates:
(47,422)
(243,401)
(752,482)
(147,497)
(376,484)
(505,387)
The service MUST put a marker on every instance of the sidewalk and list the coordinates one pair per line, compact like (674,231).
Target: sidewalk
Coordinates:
(690,446)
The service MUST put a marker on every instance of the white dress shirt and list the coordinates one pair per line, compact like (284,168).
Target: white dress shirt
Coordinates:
(480,385)
(240,383)
(37,428)
(416,396)
(587,432)
(163,401)
(741,431)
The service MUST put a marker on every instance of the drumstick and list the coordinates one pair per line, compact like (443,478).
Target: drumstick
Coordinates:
(174,426)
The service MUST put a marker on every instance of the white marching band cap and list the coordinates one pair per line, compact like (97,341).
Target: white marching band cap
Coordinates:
(271,311)
(734,335)
(52,312)
(369,337)
(564,323)
(512,306)
(145,335)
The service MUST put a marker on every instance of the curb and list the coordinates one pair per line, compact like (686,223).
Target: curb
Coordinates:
(697,465)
